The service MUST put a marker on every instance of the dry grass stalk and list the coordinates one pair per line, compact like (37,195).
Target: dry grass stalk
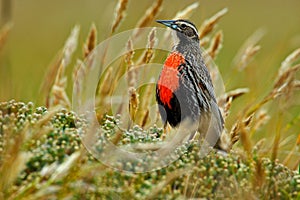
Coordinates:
(71,45)
(290,59)
(145,101)
(248,50)
(210,23)
(148,53)
(4,34)
(105,87)
(261,119)
(288,158)
(144,118)
(91,41)
(63,169)
(259,145)
(56,71)
(133,102)
(122,68)
(248,56)
(239,128)
(148,17)
(186,12)
(283,86)
(225,101)
(286,76)
(286,82)
(50,77)
(58,95)
(130,65)
(216,44)
(12,158)
(296,84)
(129,54)
(79,73)
(168,180)
(119,14)
(227,107)
(276,140)
(244,137)
(147,96)
(117,137)
(259,175)
(248,121)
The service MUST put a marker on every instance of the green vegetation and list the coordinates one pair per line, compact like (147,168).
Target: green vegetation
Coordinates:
(53,163)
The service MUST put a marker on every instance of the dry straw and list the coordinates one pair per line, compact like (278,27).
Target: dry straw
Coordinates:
(186,12)
(216,44)
(91,41)
(144,118)
(54,84)
(148,18)
(105,87)
(248,50)
(12,159)
(261,118)
(283,86)
(144,104)
(294,151)
(130,64)
(80,70)
(133,102)
(226,100)
(133,95)
(209,24)
(148,54)
(290,59)
(244,135)
(170,177)
(119,14)
(259,175)
(276,140)
(58,95)
(239,130)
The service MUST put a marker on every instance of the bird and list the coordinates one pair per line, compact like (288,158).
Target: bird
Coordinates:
(184,89)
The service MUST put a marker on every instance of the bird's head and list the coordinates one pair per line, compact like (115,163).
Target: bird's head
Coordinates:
(184,28)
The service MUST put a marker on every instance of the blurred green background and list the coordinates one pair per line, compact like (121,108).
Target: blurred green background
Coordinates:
(40,29)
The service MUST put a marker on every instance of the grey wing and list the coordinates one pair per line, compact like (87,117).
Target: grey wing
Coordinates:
(215,127)
(211,123)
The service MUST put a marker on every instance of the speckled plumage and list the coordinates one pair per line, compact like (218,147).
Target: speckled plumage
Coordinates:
(194,95)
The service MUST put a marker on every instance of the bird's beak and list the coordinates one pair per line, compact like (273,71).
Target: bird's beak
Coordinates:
(168,23)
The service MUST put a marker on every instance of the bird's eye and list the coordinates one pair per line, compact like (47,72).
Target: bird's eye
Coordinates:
(183,26)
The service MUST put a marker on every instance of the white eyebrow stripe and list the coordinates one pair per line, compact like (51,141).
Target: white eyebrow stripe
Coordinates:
(190,25)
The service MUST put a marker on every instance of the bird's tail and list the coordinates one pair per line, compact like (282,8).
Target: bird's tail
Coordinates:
(212,127)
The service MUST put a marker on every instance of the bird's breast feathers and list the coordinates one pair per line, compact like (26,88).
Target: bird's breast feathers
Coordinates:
(169,80)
